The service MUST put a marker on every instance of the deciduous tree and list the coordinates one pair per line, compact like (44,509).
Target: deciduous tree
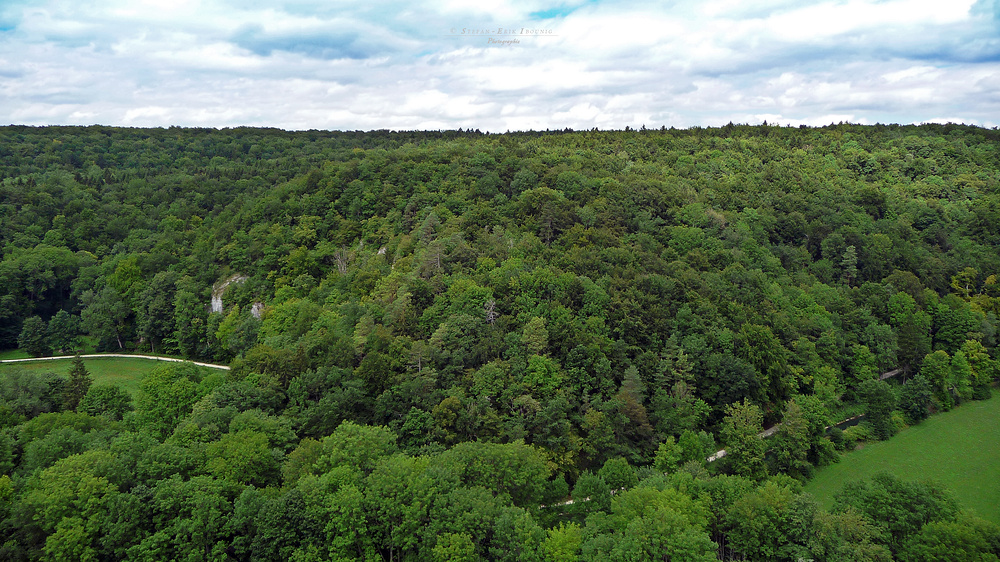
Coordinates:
(741,429)
(34,338)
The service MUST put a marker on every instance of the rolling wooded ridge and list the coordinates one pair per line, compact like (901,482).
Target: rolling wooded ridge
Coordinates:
(433,334)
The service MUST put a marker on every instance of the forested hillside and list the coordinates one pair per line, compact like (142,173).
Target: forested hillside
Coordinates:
(432,334)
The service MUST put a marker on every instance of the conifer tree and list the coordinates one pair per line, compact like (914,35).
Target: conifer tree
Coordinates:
(850,265)
(78,385)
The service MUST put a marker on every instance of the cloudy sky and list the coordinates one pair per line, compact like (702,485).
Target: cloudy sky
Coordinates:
(497,66)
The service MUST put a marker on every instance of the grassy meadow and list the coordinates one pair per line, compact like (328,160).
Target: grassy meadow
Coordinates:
(959,449)
(126,373)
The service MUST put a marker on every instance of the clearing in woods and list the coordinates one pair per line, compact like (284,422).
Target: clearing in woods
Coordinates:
(959,449)
(125,372)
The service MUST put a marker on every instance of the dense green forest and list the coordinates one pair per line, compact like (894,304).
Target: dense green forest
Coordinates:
(435,334)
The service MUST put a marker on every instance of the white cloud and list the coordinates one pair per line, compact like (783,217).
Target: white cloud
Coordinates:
(830,19)
(378,65)
(919,72)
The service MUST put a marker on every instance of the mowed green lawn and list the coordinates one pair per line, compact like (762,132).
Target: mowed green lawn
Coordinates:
(959,449)
(126,373)
(13,354)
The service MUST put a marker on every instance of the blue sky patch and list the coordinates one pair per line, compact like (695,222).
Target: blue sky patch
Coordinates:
(553,13)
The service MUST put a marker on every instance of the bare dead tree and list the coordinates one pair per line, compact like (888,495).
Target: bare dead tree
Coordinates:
(343,259)
(490,309)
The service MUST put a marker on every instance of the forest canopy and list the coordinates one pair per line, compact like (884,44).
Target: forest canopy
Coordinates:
(396,306)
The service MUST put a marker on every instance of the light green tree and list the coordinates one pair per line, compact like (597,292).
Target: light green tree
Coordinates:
(961,375)
(71,502)
(455,547)
(879,403)
(864,365)
(668,455)
(166,396)
(563,542)
(745,448)
(244,457)
(535,336)
(937,370)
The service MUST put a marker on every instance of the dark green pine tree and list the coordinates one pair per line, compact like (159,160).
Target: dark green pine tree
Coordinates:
(78,385)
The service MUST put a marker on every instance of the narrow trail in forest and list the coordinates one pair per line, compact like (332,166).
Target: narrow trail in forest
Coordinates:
(774,428)
(125,355)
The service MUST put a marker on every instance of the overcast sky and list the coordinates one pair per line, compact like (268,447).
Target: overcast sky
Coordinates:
(497,66)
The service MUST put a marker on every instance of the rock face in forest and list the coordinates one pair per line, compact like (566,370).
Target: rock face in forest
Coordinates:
(219,288)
